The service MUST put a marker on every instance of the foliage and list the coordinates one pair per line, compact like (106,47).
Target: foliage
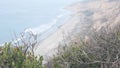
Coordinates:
(100,47)
(14,57)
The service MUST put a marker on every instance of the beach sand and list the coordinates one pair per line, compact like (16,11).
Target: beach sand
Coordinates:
(48,46)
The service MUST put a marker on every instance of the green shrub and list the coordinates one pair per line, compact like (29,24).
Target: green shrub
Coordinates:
(14,57)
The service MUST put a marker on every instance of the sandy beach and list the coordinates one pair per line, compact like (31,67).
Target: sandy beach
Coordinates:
(48,46)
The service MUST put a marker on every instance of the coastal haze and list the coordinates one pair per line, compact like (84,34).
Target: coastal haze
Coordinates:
(17,16)
(60,34)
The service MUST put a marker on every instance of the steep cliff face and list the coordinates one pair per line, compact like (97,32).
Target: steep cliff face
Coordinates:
(85,17)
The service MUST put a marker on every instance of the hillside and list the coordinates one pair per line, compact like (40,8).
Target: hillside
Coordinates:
(96,14)
(85,17)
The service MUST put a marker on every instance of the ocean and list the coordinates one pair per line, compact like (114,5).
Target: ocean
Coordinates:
(18,16)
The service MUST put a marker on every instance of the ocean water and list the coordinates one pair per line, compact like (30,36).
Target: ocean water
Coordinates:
(23,15)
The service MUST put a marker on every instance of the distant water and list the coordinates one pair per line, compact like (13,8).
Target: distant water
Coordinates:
(18,15)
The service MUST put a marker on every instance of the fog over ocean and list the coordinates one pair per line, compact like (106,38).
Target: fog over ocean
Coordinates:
(23,15)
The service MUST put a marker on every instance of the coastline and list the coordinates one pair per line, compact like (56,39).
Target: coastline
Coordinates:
(48,46)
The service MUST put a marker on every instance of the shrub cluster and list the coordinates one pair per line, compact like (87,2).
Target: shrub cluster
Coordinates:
(15,57)
(99,48)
